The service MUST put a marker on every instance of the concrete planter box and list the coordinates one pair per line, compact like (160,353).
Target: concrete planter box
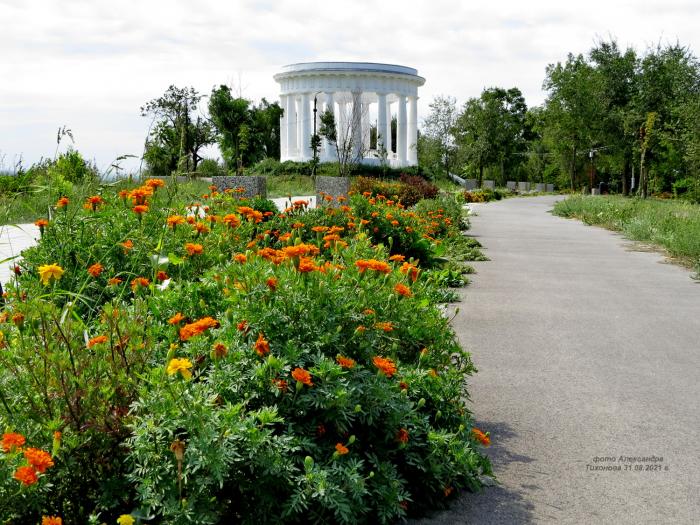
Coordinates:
(253,186)
(511,185)
(488,184)
(523,186)
(550,187)
(333,186)
(471,184)
(540,187)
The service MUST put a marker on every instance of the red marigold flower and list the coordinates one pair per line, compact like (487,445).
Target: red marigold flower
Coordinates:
(62,202)
(190,330)
(93,202)
(403,385)
(41,223)
(26,475)
(51,520)
(220,350)
(402,436)
(321,430)
(96,269)
(281,384)
(242,326)
(272,283)
(481,437)
(175,319)
(345,362)
(193,248)
(139,282)
(162,276)
(39,459)
(140,209)
(303,376)
(403,290)
(341,449)
(12,441)
(97,340)
(262,346)
(240,258)
(385,366)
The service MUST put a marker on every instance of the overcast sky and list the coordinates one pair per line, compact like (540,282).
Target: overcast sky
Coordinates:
(90,65)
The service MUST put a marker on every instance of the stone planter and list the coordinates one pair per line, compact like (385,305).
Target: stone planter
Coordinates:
(523,186)
(253,185)
(550,187)
(331,186)
(471,184)
(488,184)
(511,185)
(540,187)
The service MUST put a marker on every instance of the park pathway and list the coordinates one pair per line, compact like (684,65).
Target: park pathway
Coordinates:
(585,349)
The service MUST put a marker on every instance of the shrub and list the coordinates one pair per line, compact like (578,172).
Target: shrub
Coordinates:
(408,190)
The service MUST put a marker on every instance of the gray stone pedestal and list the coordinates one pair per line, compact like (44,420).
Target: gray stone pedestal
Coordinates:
(332,186)
(488,184)
(253,186)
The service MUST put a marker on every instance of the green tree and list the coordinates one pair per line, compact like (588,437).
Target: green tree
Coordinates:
(439,132)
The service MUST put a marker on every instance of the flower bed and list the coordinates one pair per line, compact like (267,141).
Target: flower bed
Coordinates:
(172,361)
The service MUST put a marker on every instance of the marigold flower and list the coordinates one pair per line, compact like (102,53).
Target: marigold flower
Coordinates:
(299,250)
(307,265)
(341,449)
(139,282)
(481,437)
(281,384)
(26,475)
(140,209)
(62,202)
(386,326)
(262,346)
(410,270)
(432,372)
(402,436)
(361,329)
(181,365)
(18,319)
(240,258)
(231,220)
(162,276)
(127,245)
(193,248)
(97,340)
(12,441)
(201,228)
(50,271)
(319,229)
(51,520)
(125,519)
(155,183)
(298,225)
(447,491)
(372,264)
(175,319)
(345,362)
(139,195)
(272,283)
(39,459)
(220,350)
(96,269)
(174,220)
(242,326)
(113,281)
(190,330)
(403,290)
(41,223)
(385,366)
(93,202)
(302,376)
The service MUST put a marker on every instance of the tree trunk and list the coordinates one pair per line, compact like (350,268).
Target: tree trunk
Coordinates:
(573,169)
(481,174)
(643,175)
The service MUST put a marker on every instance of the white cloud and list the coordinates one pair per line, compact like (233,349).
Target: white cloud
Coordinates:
(90,65)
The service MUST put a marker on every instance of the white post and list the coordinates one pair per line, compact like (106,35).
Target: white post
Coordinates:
(342,123)
(401,131)
(388,131)
(356,125)
(283,128)
(381,122)
(328,149)
(365,126)
(291,112)
(413,131)
(305,145)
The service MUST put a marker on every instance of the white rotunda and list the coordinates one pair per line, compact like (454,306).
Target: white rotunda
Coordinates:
(362,95)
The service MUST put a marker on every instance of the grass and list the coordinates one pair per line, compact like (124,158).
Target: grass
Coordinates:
(284,185)
(670,224)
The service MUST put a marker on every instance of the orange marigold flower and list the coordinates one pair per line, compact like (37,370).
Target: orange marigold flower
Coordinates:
(140,209)
(481,437)
(432,372)
(280,384)
(397,258)
(96,269)
(272,283)
(162,276)
(410,270)
(220,350)
(26,475)
(262,346)
(387,326)
(201,228)
(51,520)
(231,220)
(341,449)
(345,362)
(176,319)
(39,459)
(285,237)
(114,281)
(361,328)
(372,264)
(12,441)
(242,326)
(139,282)
(307,265)
(127,245)
(155,183)
(319,229)
(402,436)
(18,318)
(190,330)
(299,250)
(303,376)
(93,202)
(193,248)
(41,223)
(386,366)
(62,202)
(175,220)
(298,225)
(139,195)
(368,311)
(240,258)
(447,491)
(97,340)
(402,289)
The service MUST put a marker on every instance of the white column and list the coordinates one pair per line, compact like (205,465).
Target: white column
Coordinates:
(356,124)
(413,131)
(305,145)
(283,128)
(365,126)
(328,148)
(401,131)
(342,123)
(291,112)
(300,135)
(381,122)
(388,130)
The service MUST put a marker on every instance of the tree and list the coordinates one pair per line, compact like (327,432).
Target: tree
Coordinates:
(348,154)
(439,130)
(176,136)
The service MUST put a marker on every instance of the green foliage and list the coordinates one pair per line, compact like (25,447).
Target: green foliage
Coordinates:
(408,190)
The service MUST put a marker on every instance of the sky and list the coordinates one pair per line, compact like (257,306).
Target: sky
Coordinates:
(90,65)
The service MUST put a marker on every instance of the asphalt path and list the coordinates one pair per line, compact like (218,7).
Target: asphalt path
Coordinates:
(587,347)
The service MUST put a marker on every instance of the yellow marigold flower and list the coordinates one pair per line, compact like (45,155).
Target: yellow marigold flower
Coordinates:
(50,271)
(181,365)
(125,519)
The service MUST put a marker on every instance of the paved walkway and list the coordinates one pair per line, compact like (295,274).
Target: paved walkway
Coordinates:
(585,349)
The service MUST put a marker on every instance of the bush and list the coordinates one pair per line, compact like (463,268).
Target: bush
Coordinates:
(210,168)
(408,190)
